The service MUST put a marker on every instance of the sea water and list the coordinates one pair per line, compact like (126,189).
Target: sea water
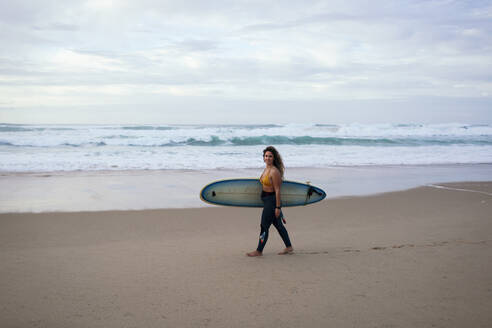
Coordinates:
(103,167)
(51,148)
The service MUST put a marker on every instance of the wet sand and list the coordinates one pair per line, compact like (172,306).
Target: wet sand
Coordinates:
(415,258)
(155,189)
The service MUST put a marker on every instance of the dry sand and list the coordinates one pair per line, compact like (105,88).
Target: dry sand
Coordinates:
(416,258)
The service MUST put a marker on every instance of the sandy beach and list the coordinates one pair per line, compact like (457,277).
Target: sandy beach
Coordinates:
(76,191)
(415,258)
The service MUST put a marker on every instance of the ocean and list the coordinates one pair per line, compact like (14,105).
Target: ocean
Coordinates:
(106,167)
(51,148)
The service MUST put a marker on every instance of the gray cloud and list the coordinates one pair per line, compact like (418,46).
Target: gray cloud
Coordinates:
(197,45)
(57,27)
(329,50)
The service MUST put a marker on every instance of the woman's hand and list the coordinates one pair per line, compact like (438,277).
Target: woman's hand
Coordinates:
(277,212)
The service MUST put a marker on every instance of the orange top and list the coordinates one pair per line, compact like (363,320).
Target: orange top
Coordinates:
(265,180)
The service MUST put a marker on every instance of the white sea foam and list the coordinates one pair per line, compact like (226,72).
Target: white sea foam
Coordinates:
(127,147)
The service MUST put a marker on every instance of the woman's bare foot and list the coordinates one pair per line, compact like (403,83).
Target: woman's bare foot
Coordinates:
(254,253)
(288,250)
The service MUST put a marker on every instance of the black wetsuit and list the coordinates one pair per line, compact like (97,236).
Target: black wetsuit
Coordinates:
(268,218)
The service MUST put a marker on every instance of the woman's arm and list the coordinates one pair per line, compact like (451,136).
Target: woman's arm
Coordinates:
(277,182)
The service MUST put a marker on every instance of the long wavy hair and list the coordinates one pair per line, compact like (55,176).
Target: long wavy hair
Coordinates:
(277,159)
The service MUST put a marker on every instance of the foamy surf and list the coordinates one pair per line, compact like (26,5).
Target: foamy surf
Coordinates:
(33,148)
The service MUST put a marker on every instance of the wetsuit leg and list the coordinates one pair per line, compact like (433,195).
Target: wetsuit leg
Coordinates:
(267,218)
(277,222)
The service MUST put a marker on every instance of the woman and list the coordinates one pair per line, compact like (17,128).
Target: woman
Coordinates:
(271,180)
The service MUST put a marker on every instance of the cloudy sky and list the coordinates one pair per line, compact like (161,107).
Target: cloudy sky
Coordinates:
(191,61)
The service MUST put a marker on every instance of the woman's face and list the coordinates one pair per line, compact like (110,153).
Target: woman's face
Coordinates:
(268,158)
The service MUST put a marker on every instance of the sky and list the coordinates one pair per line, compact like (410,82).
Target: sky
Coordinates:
(191,61)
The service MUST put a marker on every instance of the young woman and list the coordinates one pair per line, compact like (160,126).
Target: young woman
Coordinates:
(271,181)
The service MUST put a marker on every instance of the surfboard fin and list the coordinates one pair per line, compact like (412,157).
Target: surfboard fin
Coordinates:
(311,190)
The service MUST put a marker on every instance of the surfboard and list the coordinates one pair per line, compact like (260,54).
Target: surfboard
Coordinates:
(247,193)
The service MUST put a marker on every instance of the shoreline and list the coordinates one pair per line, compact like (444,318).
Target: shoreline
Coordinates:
(413,258)
(160,189)
(449,186)
(157,171)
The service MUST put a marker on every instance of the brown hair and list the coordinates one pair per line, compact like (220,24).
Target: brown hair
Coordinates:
(277,159)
